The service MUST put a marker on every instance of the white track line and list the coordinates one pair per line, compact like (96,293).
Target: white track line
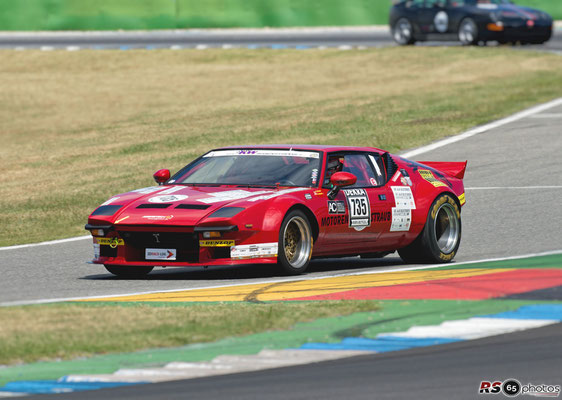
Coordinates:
(484,128)
(288,279)
(512,187)
(23,246)
(421,150)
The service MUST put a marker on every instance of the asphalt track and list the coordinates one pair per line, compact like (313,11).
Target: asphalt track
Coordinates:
(449,371)
(222,38)
(504,216)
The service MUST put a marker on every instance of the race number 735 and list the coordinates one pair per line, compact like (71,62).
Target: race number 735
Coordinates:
(358,207)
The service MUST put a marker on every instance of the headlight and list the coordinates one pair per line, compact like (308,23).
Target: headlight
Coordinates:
(226,212)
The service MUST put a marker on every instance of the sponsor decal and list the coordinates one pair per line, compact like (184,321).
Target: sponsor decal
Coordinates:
(160,254)
(512,388)
(275,194)
(396,176)
(336,207)
(373,181)
(318,192)
(359,208)
(314,176)
(158,217)
(167,199)
(441,22)
(96,251)
(334,220)
(111,242)
(405,179)
(428,176)
(401,219)
(308,196)
(230,195)
(384,216)
(462,199)
(121,219)
(403,197)
(272,153)
(171,190)
(382,197)
(109,201)
(258,250)
(147,190)
(216,243)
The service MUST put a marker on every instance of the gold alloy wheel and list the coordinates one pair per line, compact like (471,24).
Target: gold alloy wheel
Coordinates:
(297,242)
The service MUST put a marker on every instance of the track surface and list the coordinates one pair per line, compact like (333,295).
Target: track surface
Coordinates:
(451,371)
(498,222)
(295,38)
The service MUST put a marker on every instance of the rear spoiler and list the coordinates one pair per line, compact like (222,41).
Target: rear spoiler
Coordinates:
(453,168)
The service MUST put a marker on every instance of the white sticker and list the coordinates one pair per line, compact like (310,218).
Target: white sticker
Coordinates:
(96,251)
(109,201)
(171,190)
(401,219)
(272,153)
(231,195)
(275,194)
(396,176)
(147,190)
(258,250)
(359,208)
(167,199)
(441,22)
(487,6)
(160,254)
(403,197)
(158,217)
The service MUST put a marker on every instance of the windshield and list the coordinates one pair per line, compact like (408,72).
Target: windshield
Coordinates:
(497,2)
(253,168)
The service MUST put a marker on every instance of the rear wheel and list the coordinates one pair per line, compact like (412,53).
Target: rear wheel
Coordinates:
(441,236)
(402,32)
(128,272)
(468,32)
(295,243)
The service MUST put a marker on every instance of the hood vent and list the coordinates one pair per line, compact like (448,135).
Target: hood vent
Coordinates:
(154,205)
(194,206)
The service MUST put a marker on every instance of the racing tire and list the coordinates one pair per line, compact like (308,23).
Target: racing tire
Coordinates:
(441,235)
(128,272)
(468,32)
(403,33)
(295,243)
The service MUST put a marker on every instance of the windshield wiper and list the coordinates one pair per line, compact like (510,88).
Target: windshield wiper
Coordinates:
(257,186)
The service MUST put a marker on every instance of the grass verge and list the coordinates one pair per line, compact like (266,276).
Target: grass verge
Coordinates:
(70,330)
(78,127)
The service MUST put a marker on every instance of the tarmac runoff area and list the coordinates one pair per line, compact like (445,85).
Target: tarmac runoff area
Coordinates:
(514,175)
(429,307)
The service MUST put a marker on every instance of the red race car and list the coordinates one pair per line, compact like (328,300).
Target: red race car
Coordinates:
(283,204)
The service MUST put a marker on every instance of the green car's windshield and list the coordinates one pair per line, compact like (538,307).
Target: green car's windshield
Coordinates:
(253,168)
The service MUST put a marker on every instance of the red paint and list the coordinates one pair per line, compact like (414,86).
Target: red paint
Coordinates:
(478,287)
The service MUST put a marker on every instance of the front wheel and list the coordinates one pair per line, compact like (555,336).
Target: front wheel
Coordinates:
(441,235)
(128,272)
(295,243)
(468,32)
(402,32)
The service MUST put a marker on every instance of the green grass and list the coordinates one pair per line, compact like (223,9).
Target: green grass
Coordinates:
(70,330)
(79,127)
(168,14)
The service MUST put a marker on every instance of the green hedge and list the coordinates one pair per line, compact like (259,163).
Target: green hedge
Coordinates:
(171,14)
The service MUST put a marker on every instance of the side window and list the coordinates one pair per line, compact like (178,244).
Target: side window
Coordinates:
(380,171)
(357,164)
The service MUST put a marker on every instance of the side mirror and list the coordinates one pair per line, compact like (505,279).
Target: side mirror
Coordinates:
(339,180)
(342,179)
(161,176)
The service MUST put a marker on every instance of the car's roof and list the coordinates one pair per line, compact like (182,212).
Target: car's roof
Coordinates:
(323,148)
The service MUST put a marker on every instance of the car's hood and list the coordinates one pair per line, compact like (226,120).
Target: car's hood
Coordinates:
(181,205)
(514,11)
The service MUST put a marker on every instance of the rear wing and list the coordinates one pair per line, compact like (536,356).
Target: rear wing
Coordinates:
(452,168)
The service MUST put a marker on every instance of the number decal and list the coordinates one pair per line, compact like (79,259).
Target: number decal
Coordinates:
(359,208)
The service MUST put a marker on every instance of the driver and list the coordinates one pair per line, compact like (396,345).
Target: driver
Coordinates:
(335,164)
